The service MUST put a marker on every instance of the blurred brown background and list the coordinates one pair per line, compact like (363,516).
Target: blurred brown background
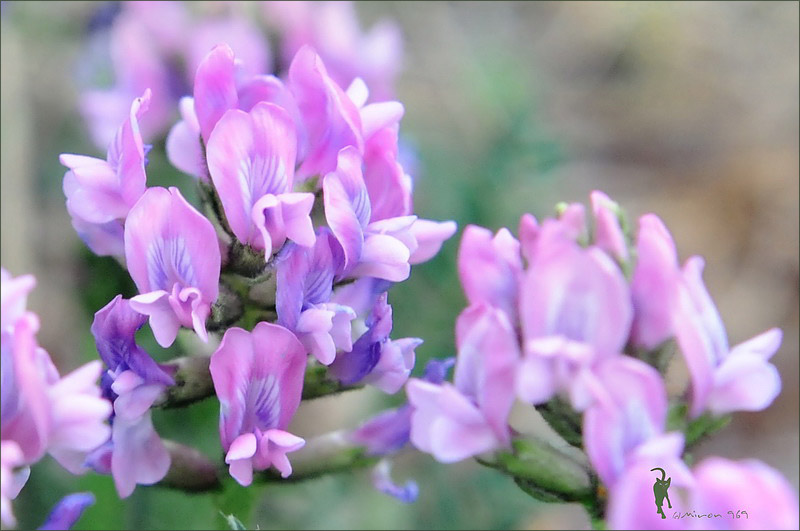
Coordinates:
(688,110)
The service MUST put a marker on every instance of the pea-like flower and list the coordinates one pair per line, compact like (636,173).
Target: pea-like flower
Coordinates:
(460,420)
(100,193)
(251,158)
(258,377)
(173,257)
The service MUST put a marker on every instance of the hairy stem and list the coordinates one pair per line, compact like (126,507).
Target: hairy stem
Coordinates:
(326,454)
(563,419)
(189,470)
(317,383)
(331,453)
(192,382)
(545,472)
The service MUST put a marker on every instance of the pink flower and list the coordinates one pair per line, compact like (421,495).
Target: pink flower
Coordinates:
(332,29)
(41,411)
(384,248)
(173,256)
(258,377)
(575,310)
(460,420)
(608,234)
(14,297)
(330,120)
(722,379)
(655,282)
(490,268)
(251,158)
(628,409)
(221,84)
(11,480)
(100,193)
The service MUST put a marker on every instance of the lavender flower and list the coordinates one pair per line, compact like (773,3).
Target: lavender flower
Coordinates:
(723,379)
(258,377)
(453,422)
(251,157)
(42,412)
(100,193)
(173,256)
(67,511)
(134,381)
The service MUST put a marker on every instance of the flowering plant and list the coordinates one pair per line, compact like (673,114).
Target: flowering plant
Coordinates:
(271,278)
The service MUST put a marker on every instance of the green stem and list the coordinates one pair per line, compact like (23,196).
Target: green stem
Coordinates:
(331,453)
(545,472)
(189,470)
(317,384)
(192,382)
(563,419)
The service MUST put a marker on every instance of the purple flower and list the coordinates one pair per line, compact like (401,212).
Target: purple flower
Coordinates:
(137,454)
(157,46)
(78,414)
(173,256)
(389,187)
(258,377)
(375,359)
(722,379)
(100,193)
(453,422)
(67,511)
(722,485)
(745,381)
(114,330)
(304,288)
(382,480)
(575,309)
(490,268)
(137,67)
(25,405)
(243,37)
(576,293)
(330,120)
(41,411)
(14,297)
(608,234)
(332,29)
(251,158)
(11,480)
(385,433)
(222,83)
(384,248)
(628,409)
(631,503)
(388,432)
(654,286)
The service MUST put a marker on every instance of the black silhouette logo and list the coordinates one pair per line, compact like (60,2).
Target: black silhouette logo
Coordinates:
(660,488)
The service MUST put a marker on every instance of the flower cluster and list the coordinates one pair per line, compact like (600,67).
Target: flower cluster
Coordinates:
(307,222)
(42,412)
(581,322)
(160,45)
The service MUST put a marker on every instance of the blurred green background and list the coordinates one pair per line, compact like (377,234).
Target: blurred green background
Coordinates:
(689,110)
